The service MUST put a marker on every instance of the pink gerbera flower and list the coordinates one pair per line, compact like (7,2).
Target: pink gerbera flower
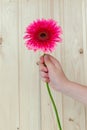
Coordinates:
(43,35)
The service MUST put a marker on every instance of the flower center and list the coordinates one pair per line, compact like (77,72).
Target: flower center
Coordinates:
(43,36)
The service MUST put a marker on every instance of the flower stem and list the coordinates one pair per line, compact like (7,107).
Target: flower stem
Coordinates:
(54,106)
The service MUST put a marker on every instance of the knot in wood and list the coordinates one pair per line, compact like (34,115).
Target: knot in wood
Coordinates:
(81,51)
(1,40)
(70,119)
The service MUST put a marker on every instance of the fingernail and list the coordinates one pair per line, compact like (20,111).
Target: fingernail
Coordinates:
(46,56)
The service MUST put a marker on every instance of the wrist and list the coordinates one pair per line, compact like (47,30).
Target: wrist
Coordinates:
(64,85)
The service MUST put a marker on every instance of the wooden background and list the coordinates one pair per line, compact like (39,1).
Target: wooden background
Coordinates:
(24,101)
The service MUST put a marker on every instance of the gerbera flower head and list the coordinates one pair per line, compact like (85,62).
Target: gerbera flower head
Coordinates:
(43,35)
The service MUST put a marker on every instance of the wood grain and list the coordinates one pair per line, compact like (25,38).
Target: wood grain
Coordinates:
(24,101)
(74,112)
(30,115)
(9,108)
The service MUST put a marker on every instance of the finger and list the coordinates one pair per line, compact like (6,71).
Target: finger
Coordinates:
(44,75)
(43,68)
(54,60)
(46,80)
(42,59)
(48,62)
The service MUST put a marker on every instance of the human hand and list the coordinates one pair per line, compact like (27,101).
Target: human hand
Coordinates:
(52,72)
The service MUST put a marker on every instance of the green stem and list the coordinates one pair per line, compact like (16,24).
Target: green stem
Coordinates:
(54,106)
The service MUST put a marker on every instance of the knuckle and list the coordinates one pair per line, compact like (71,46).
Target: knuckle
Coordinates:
(43,68)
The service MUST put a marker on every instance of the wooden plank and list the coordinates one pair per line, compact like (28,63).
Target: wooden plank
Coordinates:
(74,112)
(48,115)
(9,111)
(84,12)
(29,76)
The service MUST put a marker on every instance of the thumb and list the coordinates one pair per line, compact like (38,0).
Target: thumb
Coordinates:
(48,61)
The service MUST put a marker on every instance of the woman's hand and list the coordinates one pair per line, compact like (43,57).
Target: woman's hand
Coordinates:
(51,71)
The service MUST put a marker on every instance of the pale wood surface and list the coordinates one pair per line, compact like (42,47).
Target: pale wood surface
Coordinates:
(9,115)
(73,112)
(30,110)
(24,101)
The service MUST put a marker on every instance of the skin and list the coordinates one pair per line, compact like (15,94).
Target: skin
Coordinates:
(52,72)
